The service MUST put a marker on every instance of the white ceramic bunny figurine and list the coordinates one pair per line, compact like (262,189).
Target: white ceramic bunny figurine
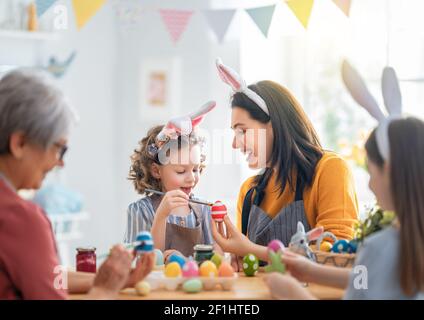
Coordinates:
(299,242)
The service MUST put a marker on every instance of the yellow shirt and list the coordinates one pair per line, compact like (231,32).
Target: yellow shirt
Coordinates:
(329,202)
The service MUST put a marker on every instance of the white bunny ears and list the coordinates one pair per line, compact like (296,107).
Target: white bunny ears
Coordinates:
(178,126)
(391,96)
(233,79)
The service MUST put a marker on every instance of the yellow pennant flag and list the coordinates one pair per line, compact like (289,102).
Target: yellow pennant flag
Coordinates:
(302,10)
(85,9)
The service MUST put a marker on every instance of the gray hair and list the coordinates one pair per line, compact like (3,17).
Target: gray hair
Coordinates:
(32,104)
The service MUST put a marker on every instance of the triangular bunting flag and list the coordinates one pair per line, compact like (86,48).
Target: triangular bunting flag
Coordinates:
(85,9)
(302,10)
(175,21)
(43,5)
(262,17)
(343,5)
(219,21)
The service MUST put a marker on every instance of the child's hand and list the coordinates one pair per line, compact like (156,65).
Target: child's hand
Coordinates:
(169,253)
(299,266)
(171,200)
(285,287)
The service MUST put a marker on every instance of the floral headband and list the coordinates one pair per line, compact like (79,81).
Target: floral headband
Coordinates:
(180,126)
(233,79)
(392,100)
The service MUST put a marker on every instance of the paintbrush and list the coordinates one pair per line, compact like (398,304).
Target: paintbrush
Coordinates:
(131,245)
(210,204)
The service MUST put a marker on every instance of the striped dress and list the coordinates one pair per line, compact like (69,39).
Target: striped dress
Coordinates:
(140,215)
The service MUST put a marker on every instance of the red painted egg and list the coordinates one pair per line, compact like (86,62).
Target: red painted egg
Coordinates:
(219,210)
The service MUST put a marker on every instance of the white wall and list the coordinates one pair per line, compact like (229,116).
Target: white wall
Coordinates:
(90,84)
(199,82)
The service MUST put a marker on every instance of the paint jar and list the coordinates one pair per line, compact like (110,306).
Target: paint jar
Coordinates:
(86,259)
(202,252)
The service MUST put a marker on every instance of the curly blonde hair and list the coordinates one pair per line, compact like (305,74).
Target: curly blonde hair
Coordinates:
(141,160)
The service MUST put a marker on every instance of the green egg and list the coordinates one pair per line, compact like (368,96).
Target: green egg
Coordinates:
(217,259)
(250,265)
(193,286)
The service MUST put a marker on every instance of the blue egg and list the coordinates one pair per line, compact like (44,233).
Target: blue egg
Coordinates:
(353,246)
(159,257)
(144,248)
(144,242)
(340,246)
(144,236)
(177,258)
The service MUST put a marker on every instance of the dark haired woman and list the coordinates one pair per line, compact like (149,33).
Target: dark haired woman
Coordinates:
(299,181)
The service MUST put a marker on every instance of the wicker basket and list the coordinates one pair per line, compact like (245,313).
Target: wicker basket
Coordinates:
(341,260)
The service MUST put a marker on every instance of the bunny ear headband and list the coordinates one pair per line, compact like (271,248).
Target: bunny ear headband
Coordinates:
(391,96)
(233,79)
(179,126)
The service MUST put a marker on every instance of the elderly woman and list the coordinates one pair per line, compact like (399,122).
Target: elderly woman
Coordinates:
(35,120)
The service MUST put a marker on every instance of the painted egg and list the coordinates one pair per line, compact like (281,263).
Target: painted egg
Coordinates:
(142,288)
(145,242)
(177,258)
(208,269)
(276,245)
(340,246)
(192,286)
(217,259)
(225,270)
(250,265)
(218,211)
(325,246)
(190,269)
(173,270)
(159,257)
(353,246)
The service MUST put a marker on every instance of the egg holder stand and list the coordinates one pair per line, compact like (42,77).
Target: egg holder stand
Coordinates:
(341,260)
(157,280)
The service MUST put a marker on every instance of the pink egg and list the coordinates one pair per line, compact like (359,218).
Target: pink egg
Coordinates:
(276,245)
(219,210)
(190,269)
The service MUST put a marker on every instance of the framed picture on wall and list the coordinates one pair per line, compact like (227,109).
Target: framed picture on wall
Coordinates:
(160,81)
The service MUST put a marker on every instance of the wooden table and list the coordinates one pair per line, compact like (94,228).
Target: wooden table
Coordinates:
(245,288)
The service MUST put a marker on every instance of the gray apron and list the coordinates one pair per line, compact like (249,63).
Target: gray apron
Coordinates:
(179,237)
(261,228)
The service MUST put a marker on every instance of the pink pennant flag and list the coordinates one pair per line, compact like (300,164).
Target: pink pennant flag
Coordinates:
(175,21)
(343,5)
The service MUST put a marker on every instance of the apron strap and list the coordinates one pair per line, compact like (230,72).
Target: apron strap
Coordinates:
(247,202)
(197,209)
(259,195)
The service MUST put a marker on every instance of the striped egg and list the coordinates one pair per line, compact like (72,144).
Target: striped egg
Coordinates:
(218,211)
(145,242)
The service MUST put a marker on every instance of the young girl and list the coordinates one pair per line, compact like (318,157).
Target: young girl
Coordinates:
(394,257)
(170,160)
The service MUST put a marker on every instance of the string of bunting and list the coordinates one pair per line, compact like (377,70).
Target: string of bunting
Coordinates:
(176,20)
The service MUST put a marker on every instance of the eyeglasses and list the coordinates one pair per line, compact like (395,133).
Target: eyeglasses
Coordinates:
(62,150)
